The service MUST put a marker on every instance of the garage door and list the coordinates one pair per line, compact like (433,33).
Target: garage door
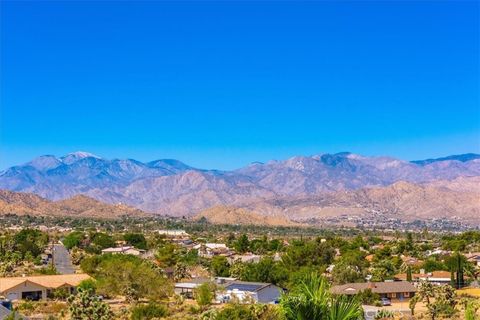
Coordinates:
(12,296)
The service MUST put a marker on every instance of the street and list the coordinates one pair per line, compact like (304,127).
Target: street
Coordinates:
(61,259)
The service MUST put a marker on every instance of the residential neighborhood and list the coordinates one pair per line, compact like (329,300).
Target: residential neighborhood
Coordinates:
(211,270)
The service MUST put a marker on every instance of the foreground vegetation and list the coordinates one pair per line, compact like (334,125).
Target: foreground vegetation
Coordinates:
(304,263)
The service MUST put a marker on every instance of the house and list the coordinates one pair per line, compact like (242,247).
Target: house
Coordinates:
(439,252)
(209,250)
(187,288)
(411,261)
(173,233)
(474,258)
(245,258)
(395,290)
(38,287)
(244,291)
(124,250)
(436,277)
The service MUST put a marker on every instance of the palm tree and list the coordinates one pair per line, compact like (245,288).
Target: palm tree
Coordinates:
(312,300)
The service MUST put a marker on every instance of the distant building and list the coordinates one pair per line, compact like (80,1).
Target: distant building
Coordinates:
(124,250)
(474,258)
(245,258)
(436,277)
(244,291)
(173,233)
(209,250)
(38,287)
(187,288)
(395,290)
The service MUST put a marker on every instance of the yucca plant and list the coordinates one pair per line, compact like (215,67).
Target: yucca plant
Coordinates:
(312,300)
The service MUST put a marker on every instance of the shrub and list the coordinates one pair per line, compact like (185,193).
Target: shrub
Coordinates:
(148,311)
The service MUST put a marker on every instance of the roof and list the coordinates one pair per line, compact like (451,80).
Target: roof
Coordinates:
(432,276)
(247,286)
(192,283)
(49,281)
(376,287)
(118,249)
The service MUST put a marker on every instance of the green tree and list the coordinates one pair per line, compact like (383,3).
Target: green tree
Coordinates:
(102,240)
(128,276)
(30,241)
(266,270)
(73,239)
(409,274)
(166,255)
(220,267)
(242,244)
(86,306)
(345,273)
(204,294)
(137,240)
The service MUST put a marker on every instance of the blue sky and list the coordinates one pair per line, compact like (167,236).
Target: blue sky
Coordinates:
(222,84)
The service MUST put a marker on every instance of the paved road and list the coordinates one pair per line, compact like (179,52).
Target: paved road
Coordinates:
(61,259)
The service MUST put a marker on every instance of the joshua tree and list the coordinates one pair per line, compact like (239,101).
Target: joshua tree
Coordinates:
(86,306)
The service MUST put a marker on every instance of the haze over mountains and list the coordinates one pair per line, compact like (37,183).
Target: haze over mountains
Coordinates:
(299,188)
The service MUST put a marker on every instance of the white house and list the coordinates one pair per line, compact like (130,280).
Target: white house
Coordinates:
(124,250)
(173,233)
(243,291)
(212,249)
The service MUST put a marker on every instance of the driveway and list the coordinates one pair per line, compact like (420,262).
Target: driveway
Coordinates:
(62,260)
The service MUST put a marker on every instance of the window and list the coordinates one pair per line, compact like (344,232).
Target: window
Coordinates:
(406,294)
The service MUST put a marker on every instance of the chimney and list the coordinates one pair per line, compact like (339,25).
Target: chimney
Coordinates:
(422,271)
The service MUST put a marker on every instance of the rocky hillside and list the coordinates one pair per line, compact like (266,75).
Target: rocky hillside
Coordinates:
(241,216)
(403,200)
(79,206)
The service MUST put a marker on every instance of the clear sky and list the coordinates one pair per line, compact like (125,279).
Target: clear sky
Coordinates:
(222,84)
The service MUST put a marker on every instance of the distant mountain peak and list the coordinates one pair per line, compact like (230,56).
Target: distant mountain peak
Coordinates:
(82,154)
(45,162)
(78,155)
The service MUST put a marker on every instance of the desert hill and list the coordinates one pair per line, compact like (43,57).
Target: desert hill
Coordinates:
(79,206)
(241,216)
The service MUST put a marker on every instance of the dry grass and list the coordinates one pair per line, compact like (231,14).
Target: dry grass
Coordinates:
(475,292)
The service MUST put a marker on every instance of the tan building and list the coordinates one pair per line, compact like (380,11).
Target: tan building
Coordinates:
(395,290)
(38,287)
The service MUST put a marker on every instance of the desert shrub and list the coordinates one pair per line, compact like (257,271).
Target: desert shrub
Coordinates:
(148,311)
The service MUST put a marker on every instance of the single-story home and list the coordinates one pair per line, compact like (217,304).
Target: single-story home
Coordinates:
(186,288)
(243,291)
(212,249)
(38,287)
(245,258)
(395,290)
(124,250)
(173,233)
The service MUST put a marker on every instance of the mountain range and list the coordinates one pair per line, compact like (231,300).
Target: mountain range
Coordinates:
(298,188)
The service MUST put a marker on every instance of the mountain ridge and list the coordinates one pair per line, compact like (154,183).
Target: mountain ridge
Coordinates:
(171,187)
